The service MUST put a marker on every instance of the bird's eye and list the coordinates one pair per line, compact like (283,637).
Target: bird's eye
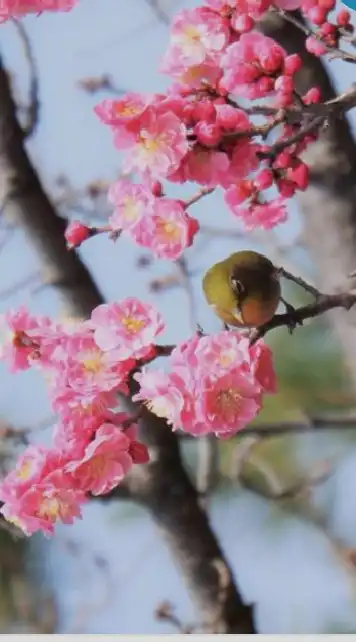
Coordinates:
(237,286)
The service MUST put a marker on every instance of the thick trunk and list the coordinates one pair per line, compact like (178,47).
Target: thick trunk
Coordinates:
(329,204)
(162,486)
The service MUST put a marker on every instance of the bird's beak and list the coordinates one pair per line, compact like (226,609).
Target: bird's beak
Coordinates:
(238,315)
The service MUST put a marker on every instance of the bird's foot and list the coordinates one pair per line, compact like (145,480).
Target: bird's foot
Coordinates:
(226,327)
(200,331)
(292,322)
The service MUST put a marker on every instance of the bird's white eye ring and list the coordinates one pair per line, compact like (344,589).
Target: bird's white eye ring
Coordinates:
(237,286)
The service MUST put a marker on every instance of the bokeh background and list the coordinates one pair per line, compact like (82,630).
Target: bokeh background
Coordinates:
(284,507)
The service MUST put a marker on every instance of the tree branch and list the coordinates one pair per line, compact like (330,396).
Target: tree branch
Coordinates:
(162,486)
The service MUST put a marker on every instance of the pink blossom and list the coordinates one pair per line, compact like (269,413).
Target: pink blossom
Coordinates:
(163,394)
(51,500)
(128,328)
(197,35)
(21,338)
(32,465)
(262,367)
(261,215)
(160,145)
(288,5)
(168,231)
(243,160)
(106,461)
(215,385)
(249,65)
(206,167)
(192,77)
(131,202)
(123,112)
(17,8)
(93,371)
(227,404)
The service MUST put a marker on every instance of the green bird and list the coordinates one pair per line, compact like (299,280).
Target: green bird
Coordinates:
(243,290)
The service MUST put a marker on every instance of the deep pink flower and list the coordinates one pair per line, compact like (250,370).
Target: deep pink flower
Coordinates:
(106,461)
(76,233)
(249,65)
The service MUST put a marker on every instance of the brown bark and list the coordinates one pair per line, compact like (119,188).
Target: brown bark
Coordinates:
(163,486)
(329,204)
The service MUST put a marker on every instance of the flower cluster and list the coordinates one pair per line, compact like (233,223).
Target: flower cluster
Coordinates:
(216,384)
(17,8)
(86,365)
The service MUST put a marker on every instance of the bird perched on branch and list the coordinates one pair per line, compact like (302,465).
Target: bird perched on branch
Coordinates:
(244,290)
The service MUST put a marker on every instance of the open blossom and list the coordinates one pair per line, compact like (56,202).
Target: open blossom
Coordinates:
(131,202)
(128,328)
(50,500)
(216,384)
(250,64)
(123,112)
(17,8)
(93,371)
(168,231)
(193,77)
(21,338)
(259,215)
(106,460)
(197,35)
(159,146)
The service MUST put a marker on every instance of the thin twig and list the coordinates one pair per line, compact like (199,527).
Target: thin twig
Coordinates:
(299,281)
(297,316)
(200,194)
(33,107)
(335,51)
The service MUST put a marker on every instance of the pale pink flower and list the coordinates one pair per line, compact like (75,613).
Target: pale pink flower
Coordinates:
(197,34)
(160,145)
(17,8)
(161,396)
(222,352)
(193,77)
(51,500)
(131,202)
(127,328)
(168,231)
(94,371)
(250,64)
(106,461)
(261,215)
